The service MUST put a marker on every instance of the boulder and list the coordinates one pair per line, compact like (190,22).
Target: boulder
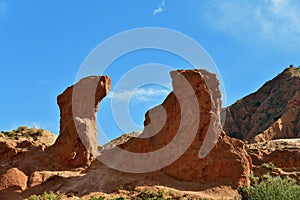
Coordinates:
(13,180)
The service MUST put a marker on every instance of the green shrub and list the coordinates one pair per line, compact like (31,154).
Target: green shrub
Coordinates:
(118,198)
(269,165)
(23,132)
(160,194)
(97,198)
(275,188)
(46,196)
(271,188)
(244,192)
(151,195)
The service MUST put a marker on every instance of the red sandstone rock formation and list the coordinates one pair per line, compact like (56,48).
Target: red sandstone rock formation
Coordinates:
(188,125)
(273,112)
(77,143)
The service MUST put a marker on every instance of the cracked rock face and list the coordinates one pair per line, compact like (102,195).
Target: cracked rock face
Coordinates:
(77,143)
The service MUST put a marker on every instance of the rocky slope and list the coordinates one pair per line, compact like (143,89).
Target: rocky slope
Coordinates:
(273,112)
(211,165)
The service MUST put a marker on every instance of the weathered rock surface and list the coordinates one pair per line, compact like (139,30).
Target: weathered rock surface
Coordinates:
(283,153)
(15,153)
(8,149)
(78,107)
(188,123)
(13,180)
(273,112)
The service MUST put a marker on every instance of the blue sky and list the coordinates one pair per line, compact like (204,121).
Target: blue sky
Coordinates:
(43,44)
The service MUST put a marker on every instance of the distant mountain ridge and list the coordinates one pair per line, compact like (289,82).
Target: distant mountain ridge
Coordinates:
(273,112)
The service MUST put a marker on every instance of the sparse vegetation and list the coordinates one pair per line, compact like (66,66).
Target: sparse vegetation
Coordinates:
(269,165)
(46,196)
(97,198)
(22,132)
(275,188)
(119,198)
(150,195)
(268,187)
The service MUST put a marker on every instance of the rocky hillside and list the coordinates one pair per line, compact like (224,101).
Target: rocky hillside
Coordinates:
(273,112)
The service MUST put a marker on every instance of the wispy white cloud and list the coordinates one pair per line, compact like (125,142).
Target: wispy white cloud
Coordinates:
(141,94)
(29,124)
(34,124)
(160,8)
(275,21)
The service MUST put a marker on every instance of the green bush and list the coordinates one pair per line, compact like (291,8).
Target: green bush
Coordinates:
(119,198)
(46,196)
(269,165)
(97,198)
(271,188)
(151,195)
(23,132)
